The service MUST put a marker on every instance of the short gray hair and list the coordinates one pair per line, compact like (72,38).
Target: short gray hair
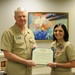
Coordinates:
(18,10)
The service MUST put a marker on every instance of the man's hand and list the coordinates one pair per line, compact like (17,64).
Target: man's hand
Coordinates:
(30,63)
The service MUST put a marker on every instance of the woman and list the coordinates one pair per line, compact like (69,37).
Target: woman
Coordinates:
(64,53)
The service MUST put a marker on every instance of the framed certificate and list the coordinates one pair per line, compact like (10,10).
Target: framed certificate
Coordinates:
(42,55)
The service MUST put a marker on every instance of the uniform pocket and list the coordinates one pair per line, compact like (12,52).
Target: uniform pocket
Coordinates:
(18,42)
(31,42)
(19,39)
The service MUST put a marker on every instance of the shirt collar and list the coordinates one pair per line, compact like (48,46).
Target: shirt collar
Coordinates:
(55,42)
(17,29)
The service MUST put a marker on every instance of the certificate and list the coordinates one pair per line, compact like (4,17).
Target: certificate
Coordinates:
(42,55)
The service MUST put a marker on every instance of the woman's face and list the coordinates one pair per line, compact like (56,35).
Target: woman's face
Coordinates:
(59,33)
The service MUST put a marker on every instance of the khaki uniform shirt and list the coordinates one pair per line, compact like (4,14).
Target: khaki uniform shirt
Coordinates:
(20,44)
(63,53)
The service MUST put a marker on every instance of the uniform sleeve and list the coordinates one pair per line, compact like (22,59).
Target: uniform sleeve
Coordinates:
(6,41)
(52,44)
(70,52)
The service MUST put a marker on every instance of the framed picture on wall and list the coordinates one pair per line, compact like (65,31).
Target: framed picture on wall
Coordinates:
(42,23)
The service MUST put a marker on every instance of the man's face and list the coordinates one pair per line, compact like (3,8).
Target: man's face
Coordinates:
(20,18)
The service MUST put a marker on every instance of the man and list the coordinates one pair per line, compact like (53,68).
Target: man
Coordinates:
(17,43)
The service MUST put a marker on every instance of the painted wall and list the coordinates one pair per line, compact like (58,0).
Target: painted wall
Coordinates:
(7,8)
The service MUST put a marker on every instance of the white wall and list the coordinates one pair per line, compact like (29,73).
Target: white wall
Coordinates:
(7,8)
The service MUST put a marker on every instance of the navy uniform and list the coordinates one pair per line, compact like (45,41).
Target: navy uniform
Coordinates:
(20,44)
(63,53)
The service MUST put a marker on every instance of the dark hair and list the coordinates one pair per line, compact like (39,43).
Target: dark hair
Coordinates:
(66,35)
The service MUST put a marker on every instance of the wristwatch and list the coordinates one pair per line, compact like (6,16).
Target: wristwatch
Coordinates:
(55,65)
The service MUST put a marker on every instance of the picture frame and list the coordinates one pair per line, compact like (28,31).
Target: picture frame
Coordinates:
(42,23)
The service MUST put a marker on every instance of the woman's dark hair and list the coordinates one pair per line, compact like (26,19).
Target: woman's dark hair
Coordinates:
(66,35)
